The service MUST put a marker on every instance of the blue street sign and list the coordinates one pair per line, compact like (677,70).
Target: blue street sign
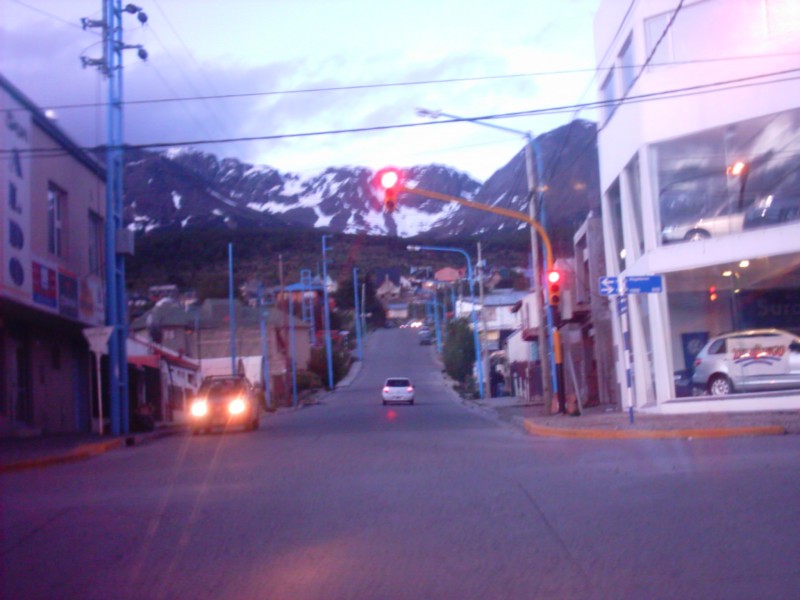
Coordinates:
(644,284)
(609,286)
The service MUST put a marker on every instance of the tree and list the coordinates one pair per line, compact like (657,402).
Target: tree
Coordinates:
(458,351)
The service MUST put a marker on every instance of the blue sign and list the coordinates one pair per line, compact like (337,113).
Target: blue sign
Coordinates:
(609,286)
(644,284)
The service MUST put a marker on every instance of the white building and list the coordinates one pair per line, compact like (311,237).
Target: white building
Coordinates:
(699,147)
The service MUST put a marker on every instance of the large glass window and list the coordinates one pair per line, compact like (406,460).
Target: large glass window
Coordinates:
(724,320)
(635,191)
(729,179)
(739,25)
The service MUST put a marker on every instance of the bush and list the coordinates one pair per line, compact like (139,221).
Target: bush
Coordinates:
(319,364)
(308,380)
(458,353)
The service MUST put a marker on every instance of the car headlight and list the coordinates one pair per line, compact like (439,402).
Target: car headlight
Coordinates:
(237,406)
(199,408)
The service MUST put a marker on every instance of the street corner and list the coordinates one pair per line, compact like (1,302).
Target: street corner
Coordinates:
(561,426)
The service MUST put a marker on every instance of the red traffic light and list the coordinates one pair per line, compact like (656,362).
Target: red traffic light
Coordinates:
(389,180)
(553,287)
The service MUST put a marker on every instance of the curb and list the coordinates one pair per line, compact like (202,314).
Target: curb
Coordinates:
(86,451)
(534,428)
(75,454)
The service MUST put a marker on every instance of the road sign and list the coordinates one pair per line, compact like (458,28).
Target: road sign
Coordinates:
(644,284)
(98,338)
(609,286)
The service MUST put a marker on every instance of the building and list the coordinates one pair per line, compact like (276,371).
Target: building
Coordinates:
(52,215)
(203,333)
(699,146)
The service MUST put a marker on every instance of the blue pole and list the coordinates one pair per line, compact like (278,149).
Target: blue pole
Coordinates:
(328,349)
(292,350)
(357,315)
(231,309)
(264,349)
(436,321)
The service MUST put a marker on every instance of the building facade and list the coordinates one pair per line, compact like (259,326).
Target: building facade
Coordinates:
(699,146)
(52,214)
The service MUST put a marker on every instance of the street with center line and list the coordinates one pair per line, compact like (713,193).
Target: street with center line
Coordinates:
(348,498)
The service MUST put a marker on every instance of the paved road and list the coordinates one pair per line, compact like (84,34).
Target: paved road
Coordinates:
(350,499)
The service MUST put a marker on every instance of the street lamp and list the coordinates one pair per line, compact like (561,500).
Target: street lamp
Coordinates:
(535,192)
(472,297)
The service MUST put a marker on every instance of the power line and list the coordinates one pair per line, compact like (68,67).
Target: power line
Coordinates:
(739,83)
(47,14)
(368,86)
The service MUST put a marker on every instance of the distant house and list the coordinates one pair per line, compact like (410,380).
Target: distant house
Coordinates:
(397,310)
(388,285)
(449,275)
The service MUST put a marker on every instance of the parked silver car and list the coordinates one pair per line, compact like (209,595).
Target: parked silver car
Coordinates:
(748,361)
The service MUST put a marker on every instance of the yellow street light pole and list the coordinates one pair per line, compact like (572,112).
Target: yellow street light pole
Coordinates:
(505,212)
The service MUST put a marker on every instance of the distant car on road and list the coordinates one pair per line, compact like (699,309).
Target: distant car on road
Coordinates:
(398,389)
(222,402)
(748,361)
(425,337)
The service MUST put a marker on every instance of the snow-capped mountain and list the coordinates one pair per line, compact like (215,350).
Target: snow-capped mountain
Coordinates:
(189,189)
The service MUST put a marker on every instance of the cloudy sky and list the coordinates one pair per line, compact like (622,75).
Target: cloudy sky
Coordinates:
(265,55)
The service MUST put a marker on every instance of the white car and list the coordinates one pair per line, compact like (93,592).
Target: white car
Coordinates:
(720,222)
(398,389)
(748,361)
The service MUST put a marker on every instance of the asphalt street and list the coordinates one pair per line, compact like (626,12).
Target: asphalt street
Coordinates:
(352,499)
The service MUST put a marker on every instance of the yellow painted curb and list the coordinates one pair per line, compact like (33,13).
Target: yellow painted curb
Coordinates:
(78,453)
(614,434)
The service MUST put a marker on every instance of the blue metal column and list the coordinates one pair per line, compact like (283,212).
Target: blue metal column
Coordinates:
(357,315)
(292,350)
(115,263)
(264,349)
(231,309)
(327,307)
(436,320)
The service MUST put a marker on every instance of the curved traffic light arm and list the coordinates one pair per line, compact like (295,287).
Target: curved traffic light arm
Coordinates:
(505,212)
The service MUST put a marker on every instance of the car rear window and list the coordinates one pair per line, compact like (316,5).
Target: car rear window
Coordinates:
(397,383)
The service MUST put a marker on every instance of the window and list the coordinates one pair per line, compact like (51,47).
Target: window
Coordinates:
(627,66)
(607,95)
(95,243)
(56,215)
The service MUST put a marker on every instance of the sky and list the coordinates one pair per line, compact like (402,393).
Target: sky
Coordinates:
(508,55)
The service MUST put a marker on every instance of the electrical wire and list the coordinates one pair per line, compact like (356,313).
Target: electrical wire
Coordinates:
(700,89)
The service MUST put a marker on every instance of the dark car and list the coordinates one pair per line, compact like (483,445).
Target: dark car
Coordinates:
(222,402)
(425,337)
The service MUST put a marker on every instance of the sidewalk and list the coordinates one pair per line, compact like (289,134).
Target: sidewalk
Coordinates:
(605,423)
(22,453)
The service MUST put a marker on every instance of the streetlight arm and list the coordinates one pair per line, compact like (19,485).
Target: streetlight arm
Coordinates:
(505,212)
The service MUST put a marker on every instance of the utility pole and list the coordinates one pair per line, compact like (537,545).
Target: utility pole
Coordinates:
(116,247)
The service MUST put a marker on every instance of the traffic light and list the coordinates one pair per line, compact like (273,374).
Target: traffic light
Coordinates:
(390,181)
(554,295)
(712,293)
(554,288)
